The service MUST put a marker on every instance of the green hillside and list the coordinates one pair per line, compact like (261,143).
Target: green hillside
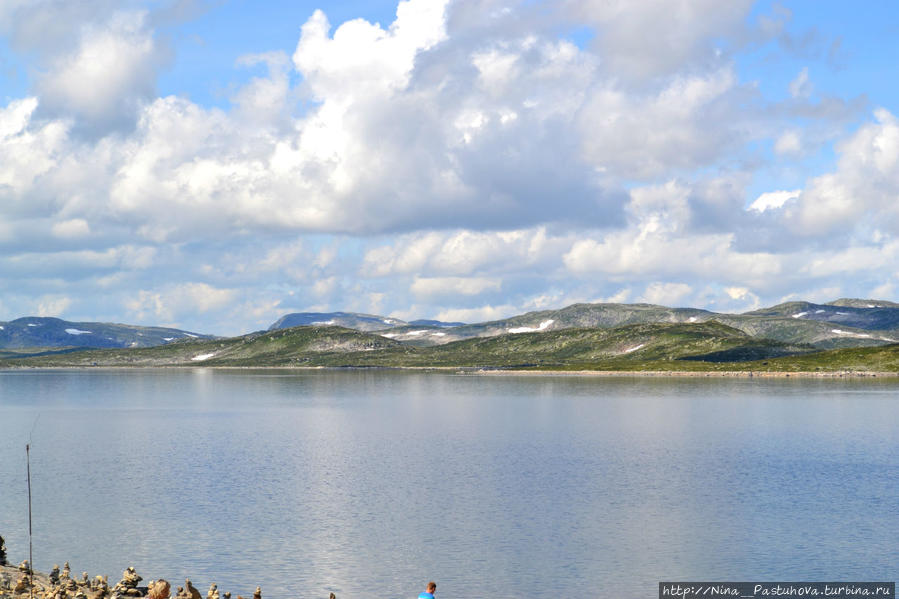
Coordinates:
(628,347)
(282,347)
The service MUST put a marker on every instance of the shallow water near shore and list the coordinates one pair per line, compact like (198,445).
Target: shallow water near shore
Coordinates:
(371,483)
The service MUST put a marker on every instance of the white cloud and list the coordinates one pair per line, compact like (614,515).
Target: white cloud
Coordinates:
(463,252)
(449,286)
(650,38)
(788,143)
(618,297)
(71,229)
(666,294)
(177,301)
(646,135)
(325,287)
(27,150)
(862,191)
(659,242)
(110,72)
(53,305)
(773,200)
(361,58)
(480,314)
(464,150)
(800,87)
(847,261)
(736,292)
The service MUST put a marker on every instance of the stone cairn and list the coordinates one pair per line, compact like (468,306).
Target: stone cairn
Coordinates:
(59,584)
(127,587)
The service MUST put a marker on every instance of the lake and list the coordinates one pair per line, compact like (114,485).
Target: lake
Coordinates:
(371,483)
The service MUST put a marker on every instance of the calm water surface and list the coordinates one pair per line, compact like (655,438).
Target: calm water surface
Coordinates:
(368,484)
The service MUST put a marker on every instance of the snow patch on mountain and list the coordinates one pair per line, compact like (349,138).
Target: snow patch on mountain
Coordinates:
(542,327)
(850,334)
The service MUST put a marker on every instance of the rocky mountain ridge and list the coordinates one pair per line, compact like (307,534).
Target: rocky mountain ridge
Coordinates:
(842,323)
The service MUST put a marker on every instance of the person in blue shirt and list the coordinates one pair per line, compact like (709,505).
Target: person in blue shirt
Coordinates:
(429,594)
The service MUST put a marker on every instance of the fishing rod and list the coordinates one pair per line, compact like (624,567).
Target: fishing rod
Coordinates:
(30,556)
(30,572)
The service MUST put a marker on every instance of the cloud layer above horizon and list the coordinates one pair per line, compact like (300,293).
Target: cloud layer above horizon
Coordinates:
(462,161)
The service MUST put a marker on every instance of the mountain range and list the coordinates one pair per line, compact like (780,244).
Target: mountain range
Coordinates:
(591,335)
(841,323)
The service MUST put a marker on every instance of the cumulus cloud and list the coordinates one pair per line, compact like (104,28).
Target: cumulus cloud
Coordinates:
(410,128)
(176,301)
(467,159)
(862,191)
(463,252)
(93,63)
(449,286)
(107,76)
(71,229)
(773,199)
(657,37)
(667,294)
(480,314)
(660,240)
(52,305)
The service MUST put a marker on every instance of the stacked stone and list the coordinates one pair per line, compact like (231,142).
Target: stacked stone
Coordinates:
(100,587)
(127,587)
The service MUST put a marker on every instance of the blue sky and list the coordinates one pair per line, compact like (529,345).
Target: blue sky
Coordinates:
(215,164)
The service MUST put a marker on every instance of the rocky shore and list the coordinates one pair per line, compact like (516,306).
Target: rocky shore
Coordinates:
(18,582)
(773,374)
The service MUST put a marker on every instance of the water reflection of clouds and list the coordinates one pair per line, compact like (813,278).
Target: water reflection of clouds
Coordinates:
(312,482)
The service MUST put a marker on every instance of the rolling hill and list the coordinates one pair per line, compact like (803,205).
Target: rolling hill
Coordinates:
(629,347)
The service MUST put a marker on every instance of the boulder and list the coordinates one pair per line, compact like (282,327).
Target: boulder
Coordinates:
(159,589)
(24,583)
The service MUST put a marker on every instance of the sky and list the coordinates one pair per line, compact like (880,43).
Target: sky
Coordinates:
(215,164)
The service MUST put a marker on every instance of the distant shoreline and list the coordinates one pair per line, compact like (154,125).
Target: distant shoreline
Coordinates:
(486,371)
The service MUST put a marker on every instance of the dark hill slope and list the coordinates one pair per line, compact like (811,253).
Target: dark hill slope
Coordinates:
(35,331)
(869,315)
